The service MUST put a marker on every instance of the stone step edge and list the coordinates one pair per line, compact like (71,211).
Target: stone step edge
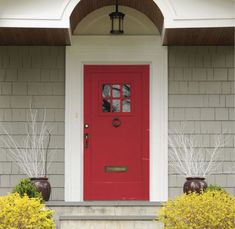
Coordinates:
(109,218)
(105,204)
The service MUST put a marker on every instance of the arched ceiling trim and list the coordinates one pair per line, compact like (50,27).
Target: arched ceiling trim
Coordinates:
(147,7)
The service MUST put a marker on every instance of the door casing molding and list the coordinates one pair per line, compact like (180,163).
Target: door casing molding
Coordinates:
(118,50)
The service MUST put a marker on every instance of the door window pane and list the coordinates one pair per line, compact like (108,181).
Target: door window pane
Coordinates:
(126,105)
(106,105)
(116,105)
(116,91)
(126,90)
(106,90)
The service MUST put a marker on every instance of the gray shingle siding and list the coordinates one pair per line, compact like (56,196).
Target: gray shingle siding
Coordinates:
(201,92)
(33,75)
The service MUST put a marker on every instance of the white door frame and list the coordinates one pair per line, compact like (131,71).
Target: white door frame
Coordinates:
(116,50)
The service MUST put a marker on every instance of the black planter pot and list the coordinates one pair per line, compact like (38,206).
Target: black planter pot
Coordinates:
(194,184)
(43,186)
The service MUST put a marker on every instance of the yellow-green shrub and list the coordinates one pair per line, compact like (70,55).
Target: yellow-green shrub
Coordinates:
(24,213)
(209,210)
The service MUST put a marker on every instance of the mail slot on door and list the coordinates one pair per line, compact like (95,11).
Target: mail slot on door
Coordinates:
(116,169)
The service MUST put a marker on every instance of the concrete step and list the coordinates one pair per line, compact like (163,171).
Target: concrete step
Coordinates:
(117,208)
(110,222)
(106,215)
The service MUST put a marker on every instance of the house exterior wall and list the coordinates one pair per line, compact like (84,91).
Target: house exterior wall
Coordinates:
(201,93)
(32,75)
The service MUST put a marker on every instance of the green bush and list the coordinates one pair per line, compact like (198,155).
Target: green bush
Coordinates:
(24,213)
(211,209)
(26,187)
(214,188)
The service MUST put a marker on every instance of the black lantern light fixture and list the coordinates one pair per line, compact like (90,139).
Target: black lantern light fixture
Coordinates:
(117,21)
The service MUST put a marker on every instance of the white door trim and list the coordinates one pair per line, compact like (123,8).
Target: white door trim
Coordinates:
(116,50)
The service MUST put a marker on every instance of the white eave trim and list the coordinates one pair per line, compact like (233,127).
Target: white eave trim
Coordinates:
(34,23)
(198,23)
(60,18)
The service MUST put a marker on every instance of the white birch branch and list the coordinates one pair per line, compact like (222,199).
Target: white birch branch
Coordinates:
(191,161)
(31,156)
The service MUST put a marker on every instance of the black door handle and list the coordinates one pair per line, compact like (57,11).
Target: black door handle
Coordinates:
(86,137)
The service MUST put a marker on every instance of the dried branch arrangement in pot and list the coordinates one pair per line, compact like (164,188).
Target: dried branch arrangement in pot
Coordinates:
(31,154)
(189,160)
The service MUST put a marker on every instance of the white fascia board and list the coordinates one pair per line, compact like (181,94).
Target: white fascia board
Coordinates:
(197,14)
(13,23)
(202,9)
(199,23)
(165,8)
(69,9)
(32,9)
(56,13)
(34,13)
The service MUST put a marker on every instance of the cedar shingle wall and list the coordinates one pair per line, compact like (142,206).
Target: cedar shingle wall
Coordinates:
(201,92)
(33,75)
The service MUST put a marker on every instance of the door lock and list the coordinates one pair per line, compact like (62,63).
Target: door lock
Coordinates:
(86,138)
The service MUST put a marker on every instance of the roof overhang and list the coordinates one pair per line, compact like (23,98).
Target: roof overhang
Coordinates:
(181,22)
(199,36)
(34,36)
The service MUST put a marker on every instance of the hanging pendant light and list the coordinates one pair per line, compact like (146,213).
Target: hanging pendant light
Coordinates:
(117,21)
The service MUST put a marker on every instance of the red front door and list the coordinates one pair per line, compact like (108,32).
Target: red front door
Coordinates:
(116,132)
